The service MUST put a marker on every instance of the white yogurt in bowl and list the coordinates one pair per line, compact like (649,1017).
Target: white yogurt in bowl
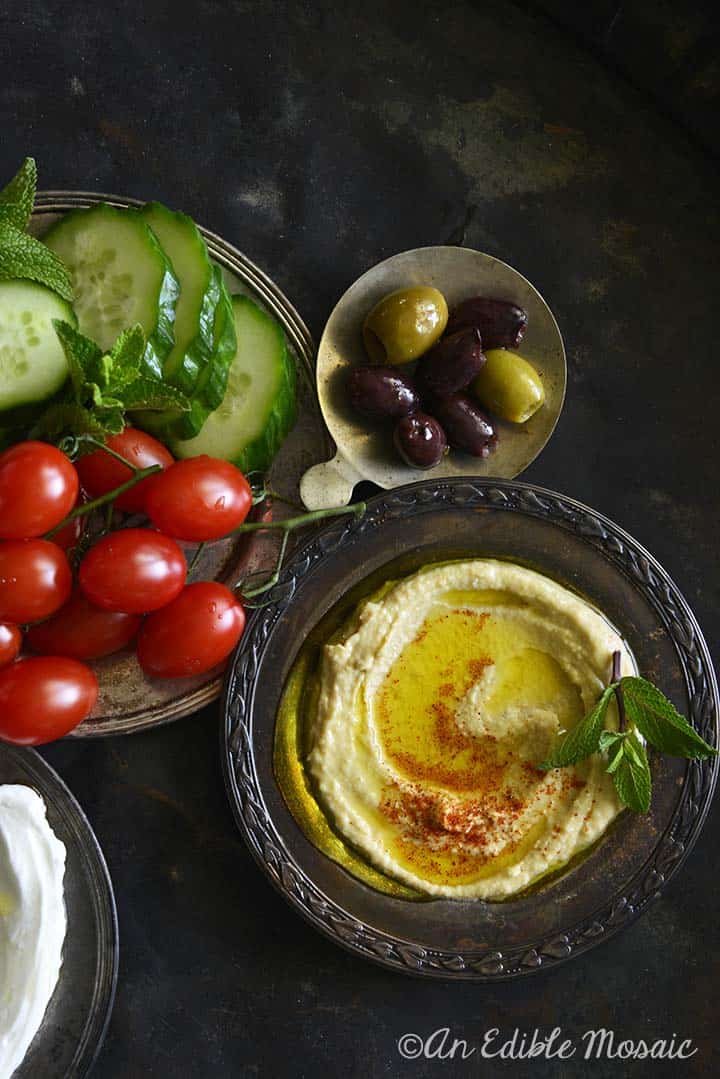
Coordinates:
(33,921)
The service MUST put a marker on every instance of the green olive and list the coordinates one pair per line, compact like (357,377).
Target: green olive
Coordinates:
(404,324)
(509,386)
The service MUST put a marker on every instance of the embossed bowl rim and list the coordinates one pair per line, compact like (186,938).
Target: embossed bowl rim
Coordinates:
(279,863)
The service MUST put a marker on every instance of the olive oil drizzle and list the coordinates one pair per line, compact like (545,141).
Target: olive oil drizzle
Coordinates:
(292,745)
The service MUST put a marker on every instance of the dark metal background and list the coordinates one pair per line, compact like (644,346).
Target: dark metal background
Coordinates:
(577,141)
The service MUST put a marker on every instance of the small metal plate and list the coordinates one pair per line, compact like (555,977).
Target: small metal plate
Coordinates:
(72,1031)
(128,700)
(401,531)
(365,451)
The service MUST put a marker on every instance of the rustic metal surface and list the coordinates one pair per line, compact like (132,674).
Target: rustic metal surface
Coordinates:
(322,138)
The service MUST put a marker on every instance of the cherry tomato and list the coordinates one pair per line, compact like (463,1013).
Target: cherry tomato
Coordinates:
(193,633)
(133,570)
(35,580)
(202,498)
(100,472)
(83,631)
(43,698)
(10,643)
(38,487)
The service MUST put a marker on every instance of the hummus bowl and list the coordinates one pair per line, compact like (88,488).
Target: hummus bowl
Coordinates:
(405,538)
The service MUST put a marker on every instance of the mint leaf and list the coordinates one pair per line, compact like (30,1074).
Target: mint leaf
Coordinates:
(100,371)
(22,256)
(609,738)
(615,756)
(113,420)
(126,357)
(64,416)
(631,774)
(611,742)
(150,393)
(81,353)
(101,398)
(18,197)
(584,739)
(660,723)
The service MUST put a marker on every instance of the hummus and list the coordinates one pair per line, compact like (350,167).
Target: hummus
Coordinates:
(435,704)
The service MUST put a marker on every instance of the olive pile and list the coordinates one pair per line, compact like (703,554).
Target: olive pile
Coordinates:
(462,363)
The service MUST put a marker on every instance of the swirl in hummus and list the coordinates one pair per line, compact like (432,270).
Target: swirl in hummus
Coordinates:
(437,701)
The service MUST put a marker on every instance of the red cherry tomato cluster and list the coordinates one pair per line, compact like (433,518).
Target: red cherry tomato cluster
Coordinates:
(130,586)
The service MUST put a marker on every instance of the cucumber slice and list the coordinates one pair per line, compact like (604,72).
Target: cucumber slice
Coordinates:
(258,408)
(193,328)
(204,331)
(120,276)
(32,362)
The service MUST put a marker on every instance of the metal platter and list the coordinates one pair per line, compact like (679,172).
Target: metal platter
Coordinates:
(401,531)
(128,700)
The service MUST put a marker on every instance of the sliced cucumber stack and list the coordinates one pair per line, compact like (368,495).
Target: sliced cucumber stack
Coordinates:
(258,409)
(204,331)
(120,275)
(32,361)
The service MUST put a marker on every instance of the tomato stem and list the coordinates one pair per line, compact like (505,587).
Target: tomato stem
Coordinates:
(268,583)
(113,453)
(102,500)
(287,526)
(290,523)
(262,492)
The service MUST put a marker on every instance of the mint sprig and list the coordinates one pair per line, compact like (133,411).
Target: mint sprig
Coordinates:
(102,386)
(645,713)
(21,255)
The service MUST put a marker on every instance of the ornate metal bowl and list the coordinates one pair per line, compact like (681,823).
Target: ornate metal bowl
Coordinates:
(475,940)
